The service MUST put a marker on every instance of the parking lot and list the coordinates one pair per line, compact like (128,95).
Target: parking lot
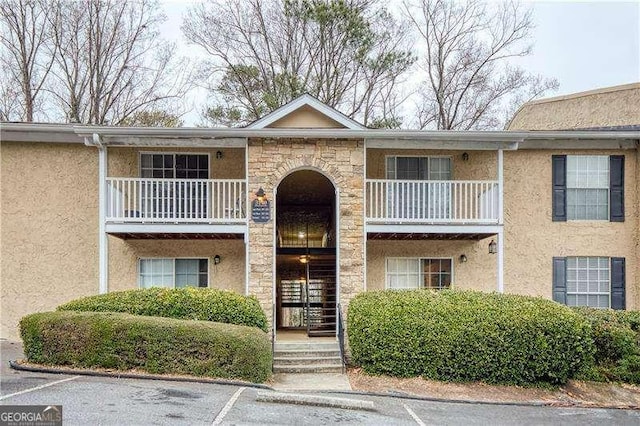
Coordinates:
(104,400)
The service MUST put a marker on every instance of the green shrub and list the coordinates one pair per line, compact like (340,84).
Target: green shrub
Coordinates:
(616,336)
(206,304)
(153,344)
(467,336)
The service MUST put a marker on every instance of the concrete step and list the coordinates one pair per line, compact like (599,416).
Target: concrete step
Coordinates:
(309,346)
(304,368)
(307,360)
(294,353)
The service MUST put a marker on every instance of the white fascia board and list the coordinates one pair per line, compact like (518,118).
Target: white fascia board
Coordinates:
(432,229)
(30,132)
(614,144)
(305,100)
(38,132)
(193,142)
(441,144)
(162,228)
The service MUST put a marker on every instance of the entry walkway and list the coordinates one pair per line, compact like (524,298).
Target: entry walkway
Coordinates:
(311,382)
(308,381)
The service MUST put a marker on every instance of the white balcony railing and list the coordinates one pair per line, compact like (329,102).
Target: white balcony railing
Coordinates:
(437,202)
(141,200)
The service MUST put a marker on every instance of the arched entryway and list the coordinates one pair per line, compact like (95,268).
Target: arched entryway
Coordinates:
(306,289)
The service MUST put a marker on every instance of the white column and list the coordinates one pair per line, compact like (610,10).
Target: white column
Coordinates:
(365,202)
(247,264)
(247,213)
(500,187)
(500,271)
(103,242)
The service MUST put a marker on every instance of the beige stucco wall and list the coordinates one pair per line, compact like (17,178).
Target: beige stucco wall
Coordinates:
(49,240)
(125,162)
(124,254)
(306,118)
(481,165)
(228,275)
(532,238)
(477,273)
(611,106)
(342,161)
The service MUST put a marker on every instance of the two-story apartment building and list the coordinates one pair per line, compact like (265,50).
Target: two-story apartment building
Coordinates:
(306,208)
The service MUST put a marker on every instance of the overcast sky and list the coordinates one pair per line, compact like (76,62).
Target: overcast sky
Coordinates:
(585,45)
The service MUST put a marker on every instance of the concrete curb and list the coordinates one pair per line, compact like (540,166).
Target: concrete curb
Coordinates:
(315,400)
(400,395)
(121,375)
(563,404)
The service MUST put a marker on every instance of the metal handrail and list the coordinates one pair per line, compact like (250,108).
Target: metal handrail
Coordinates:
(273,336)
(340,326)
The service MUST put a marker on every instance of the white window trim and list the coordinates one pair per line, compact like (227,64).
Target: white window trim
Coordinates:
(174,153)
(173,283)
(386,164)
(608,219)
(598,293)
(421,258)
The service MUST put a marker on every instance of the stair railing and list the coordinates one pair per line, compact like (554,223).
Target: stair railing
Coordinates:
(340,326)
(273,335)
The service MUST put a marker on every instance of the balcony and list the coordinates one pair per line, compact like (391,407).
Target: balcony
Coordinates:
(175,205)
(431,202)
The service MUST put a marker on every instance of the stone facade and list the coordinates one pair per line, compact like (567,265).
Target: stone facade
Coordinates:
(342,162)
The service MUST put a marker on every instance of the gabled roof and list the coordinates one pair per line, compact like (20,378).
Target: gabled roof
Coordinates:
(306,101)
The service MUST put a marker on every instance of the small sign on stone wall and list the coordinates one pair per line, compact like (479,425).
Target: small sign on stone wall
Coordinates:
(261,211)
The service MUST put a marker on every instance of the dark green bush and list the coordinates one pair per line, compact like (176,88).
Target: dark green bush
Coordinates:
(153,344)
(616,336)
(467,336)
(206,304)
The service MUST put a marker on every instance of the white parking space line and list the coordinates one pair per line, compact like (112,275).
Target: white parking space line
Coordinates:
(414,415)
(227,407)
(38,387)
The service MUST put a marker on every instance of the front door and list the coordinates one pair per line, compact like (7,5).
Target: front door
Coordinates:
(306,293)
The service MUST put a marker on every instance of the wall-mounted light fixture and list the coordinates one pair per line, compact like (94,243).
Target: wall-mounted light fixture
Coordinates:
(261,196)
(219,155)
(493,247)
(216,259)
(463,258)
(304,259)
(465,156)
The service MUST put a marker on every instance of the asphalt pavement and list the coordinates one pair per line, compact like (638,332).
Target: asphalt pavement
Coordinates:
(111,401)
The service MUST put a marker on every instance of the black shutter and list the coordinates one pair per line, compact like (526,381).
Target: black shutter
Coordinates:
(616,188)
(560,280)
(617,283)
(559,195)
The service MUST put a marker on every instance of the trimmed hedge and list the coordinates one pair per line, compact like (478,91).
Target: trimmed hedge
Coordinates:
(467,336)
(206,304)
(616,335)
(156,345)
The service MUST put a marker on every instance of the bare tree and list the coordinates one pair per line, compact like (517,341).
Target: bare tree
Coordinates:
(468,82)
(350,54)
(25,65)
(110,61)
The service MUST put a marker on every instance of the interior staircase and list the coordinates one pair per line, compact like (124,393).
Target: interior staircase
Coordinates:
(307,357)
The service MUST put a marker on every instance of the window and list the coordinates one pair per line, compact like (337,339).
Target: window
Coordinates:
(408,273)
(588,282)
(419,168)
(181,199)
(178,166)
(174,273)
(417,191)
(587,187)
